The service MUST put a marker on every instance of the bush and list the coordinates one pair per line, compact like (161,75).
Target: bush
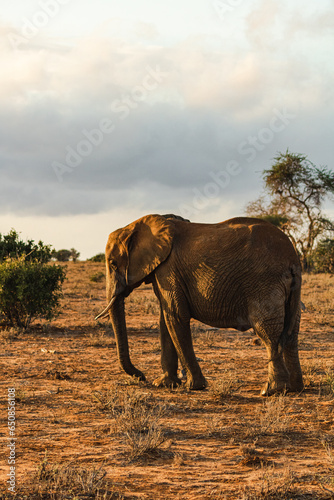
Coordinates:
(29,290)
(323,257)
(97,277)
(100,257)
(11,246)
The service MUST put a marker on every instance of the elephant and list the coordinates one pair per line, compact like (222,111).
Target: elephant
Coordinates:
(241,273)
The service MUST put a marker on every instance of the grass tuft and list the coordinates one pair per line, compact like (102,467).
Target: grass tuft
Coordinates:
(8,334)
(271,419)
(136,418)
(273,486)
(225,386)
(327,383)
(68,481)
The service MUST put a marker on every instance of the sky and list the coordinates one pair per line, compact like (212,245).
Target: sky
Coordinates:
(113,110)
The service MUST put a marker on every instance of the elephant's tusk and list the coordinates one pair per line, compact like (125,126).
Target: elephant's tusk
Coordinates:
(105,311)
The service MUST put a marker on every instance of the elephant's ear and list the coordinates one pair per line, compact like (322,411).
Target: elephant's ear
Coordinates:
(148,244)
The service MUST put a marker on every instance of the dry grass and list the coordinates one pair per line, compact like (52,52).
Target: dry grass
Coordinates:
(101,339)
(312,372)
(8,334)
(273,485)
(327,443)
(144,304)
(318,298)
(69,481)
(274,415)
(227,384)
(327,383)
(270,419)
(136,418)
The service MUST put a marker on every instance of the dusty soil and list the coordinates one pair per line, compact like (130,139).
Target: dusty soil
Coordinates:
(223,442)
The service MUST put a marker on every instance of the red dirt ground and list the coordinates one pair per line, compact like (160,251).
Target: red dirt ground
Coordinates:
(223,442)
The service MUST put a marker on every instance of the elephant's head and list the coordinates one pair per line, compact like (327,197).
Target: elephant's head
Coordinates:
(132,254)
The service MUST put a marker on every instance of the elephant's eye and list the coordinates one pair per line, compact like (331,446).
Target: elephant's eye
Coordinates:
(112,264)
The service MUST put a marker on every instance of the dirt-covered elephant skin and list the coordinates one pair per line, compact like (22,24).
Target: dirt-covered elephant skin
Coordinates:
(242,273)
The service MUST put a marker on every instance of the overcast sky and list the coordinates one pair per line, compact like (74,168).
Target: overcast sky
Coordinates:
(112,110)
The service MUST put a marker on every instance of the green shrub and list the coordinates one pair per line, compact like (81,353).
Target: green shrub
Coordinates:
(97,258)
(323,256)
(11,246)
(29,290)
(97,277)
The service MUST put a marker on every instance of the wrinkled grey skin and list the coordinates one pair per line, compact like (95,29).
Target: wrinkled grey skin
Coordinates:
(242,273)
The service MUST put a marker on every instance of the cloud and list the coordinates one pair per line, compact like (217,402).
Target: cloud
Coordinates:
(176,114)
(272,25)
(146,31)
(263,23)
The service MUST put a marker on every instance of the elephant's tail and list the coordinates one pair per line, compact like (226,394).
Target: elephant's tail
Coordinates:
(292,306)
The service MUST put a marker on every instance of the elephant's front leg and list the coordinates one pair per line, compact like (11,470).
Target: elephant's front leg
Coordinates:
(169,359)
(180,334)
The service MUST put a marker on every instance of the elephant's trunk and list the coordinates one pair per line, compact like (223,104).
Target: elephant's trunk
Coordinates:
(117,318)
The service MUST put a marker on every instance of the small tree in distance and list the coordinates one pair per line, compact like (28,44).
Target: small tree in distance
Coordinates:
(295,190)
(61,255)
(74,254)
(64,255)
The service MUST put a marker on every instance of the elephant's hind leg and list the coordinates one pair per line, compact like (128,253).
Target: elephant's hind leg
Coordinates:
(291,358)
(278,375)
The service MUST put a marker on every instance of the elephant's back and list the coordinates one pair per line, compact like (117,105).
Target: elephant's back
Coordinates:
(241,238)
(265,239)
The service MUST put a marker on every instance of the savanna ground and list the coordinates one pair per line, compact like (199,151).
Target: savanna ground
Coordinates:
(86,430)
